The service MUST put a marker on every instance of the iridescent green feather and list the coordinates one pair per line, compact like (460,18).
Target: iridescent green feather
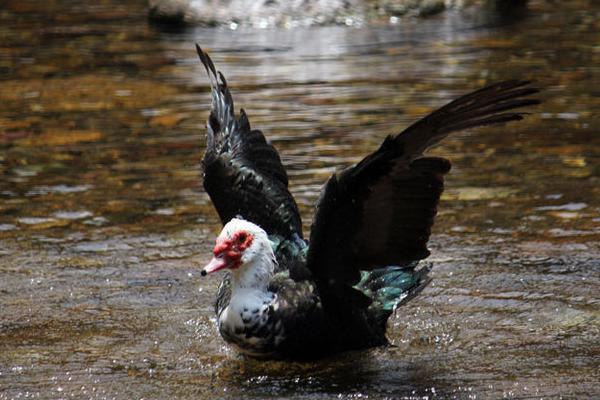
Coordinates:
(391,286)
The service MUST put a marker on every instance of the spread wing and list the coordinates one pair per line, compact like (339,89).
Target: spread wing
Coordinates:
(380,211)
(243,174)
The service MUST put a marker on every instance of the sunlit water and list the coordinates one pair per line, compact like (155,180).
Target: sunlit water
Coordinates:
(104,223)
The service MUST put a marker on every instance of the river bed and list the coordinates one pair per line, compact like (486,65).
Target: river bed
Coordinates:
(104,224)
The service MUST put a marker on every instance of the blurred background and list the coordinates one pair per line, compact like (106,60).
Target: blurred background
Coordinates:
(104,224)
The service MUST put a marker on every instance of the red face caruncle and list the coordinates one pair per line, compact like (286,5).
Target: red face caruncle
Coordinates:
(228,252)
(239,242)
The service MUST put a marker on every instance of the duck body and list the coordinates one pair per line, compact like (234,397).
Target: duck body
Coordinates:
(266,310)
(286,297)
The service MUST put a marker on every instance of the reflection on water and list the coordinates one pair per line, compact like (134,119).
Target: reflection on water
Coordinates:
(103,221)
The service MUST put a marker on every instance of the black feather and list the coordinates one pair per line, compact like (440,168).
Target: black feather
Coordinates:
(243,174)
(380,212)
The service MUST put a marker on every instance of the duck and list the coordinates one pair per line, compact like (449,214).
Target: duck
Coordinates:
(286,297)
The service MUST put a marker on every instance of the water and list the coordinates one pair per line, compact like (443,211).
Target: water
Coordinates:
(104,224)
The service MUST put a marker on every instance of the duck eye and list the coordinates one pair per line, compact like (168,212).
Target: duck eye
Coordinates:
(241,237)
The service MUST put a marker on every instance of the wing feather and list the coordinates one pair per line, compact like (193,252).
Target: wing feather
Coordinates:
(380,211)
(243,173)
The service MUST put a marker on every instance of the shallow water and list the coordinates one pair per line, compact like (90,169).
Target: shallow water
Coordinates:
(104,224)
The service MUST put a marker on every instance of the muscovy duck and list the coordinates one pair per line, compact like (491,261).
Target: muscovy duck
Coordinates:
(284,297)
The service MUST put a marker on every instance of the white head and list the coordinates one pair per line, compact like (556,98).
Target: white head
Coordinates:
(240,246)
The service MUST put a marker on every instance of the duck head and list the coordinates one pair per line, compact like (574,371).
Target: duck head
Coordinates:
(240,246)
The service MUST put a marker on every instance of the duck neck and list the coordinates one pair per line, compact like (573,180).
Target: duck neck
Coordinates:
(255,274)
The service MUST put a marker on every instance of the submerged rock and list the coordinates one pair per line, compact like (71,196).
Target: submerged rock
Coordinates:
(290,13)
(414,7)
(261,13)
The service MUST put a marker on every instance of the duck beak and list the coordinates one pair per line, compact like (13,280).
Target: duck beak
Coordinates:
(216,264)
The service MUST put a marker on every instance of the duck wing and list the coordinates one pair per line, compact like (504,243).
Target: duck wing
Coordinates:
(380,211)
(243,174)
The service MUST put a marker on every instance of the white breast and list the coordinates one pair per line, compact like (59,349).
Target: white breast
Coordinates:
(246,308)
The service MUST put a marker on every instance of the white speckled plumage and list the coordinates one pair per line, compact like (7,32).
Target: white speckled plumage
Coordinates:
(250,300)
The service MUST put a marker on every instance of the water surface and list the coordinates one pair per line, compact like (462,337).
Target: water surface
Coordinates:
(104,224)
